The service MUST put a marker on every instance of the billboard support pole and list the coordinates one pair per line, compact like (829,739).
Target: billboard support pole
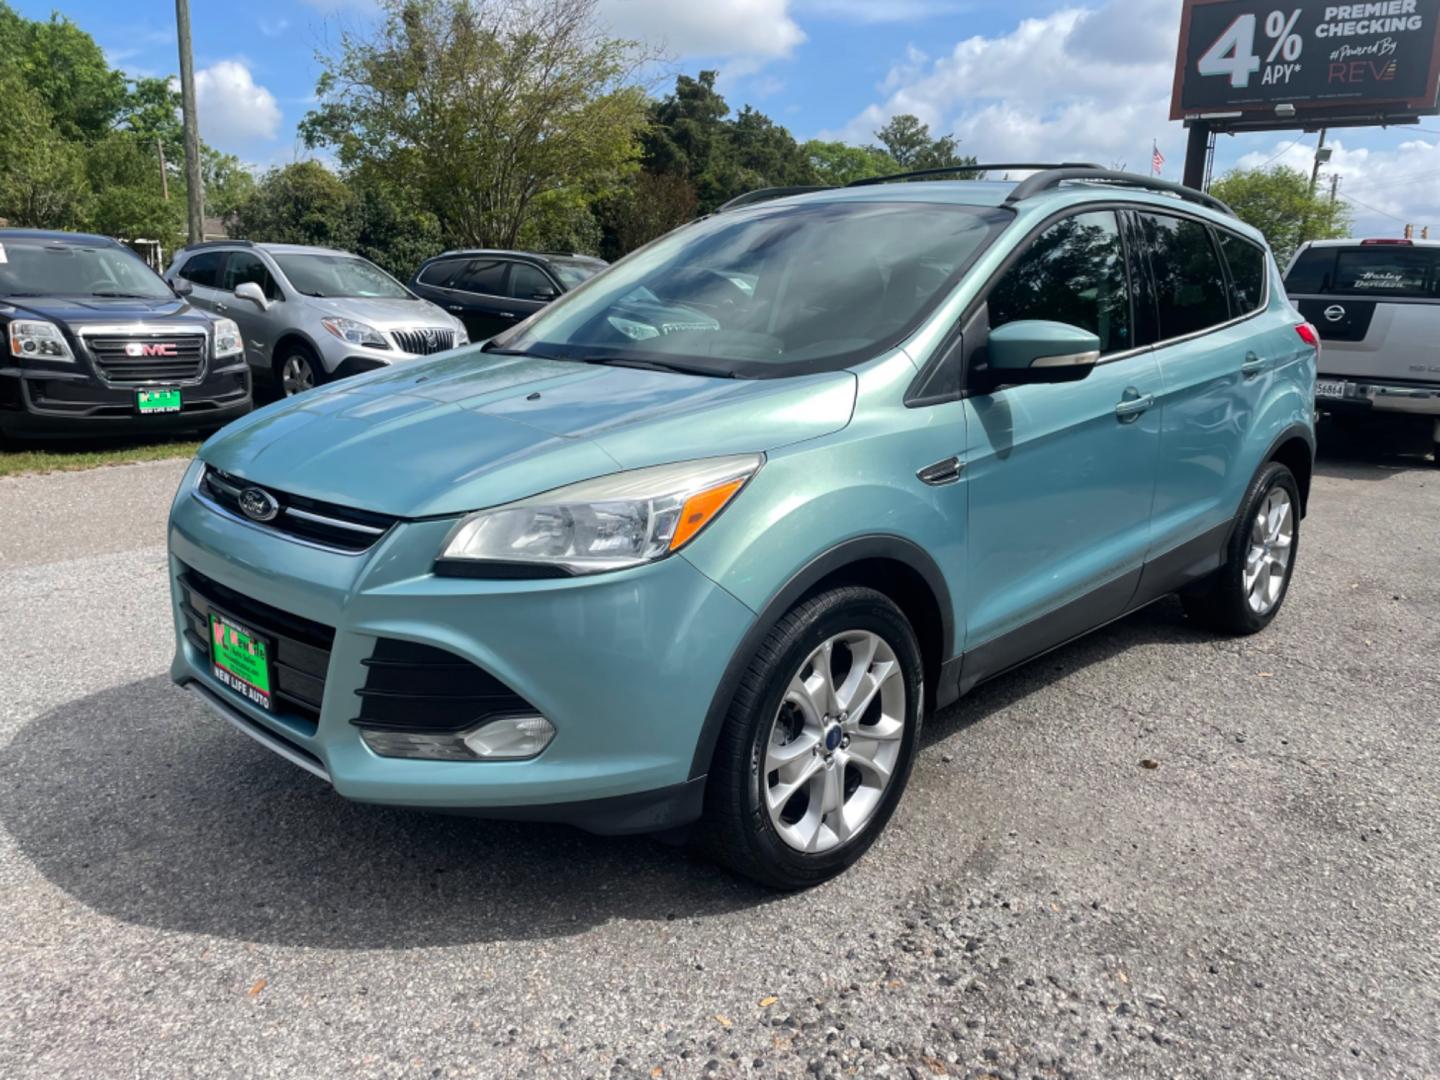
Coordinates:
(1197,152)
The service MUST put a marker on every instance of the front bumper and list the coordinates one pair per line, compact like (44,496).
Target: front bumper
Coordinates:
(1365,395)
(75,403)
(623,665)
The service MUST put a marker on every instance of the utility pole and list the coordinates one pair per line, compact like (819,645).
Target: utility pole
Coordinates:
(1334,188)
(164,180)
(1320,158)
(194,185)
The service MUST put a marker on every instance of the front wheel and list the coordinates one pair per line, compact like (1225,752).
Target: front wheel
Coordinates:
(819,741)
(1245,594)
(298,370)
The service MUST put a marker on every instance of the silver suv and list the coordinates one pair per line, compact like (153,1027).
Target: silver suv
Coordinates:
(1376,304)
(311,314)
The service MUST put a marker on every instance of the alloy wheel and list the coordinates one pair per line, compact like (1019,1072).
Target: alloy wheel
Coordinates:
(296,374)
(1267,560)
(835,742)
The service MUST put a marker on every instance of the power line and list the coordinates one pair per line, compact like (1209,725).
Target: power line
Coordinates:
(1283,152)
(1373,209)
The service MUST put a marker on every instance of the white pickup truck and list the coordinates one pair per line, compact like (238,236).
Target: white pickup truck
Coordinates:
(1376,304)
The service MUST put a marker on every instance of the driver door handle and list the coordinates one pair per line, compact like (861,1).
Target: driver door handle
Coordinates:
(508,315)
(220,307)
(456,307)
(1133,404)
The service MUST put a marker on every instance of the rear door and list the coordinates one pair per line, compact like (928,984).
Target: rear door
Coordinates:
(476,292)
(1217,358)
(1376,305)
(258,328)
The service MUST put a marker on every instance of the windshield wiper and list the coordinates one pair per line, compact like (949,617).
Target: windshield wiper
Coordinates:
(656,365)
(116,295)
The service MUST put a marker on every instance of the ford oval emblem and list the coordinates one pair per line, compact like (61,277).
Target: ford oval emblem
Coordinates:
(1334,313)
(257,504)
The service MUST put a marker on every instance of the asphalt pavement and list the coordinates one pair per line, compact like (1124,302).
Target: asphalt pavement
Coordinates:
(1153,853)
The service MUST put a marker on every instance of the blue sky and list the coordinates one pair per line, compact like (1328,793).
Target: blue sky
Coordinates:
(1015,79)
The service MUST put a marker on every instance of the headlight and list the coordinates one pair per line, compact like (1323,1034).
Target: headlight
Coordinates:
(33,339)
(355,333)
(609,523)
(228,341)
(462,336)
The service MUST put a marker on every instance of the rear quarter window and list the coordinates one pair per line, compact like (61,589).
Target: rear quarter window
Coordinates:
(1247,272)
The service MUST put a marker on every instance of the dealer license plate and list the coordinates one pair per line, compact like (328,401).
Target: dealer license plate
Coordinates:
(158,401)
(240,659)
(1329,388)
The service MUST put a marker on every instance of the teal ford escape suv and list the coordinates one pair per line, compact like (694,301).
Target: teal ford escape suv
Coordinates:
(704,540)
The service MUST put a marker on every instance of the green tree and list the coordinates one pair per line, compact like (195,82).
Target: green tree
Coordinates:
(1278,201)
(839,163)
(303,203)
(395,230)
(128,201)
(648,207)
(483,106)
(42,174)
(910,143)
(67,71)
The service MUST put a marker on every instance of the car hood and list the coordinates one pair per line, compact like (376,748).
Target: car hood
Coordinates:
(469,430)
(383,314)
(85,310)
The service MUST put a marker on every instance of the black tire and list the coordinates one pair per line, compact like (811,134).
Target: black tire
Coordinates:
(737,829)
(301,355)
(1221,602)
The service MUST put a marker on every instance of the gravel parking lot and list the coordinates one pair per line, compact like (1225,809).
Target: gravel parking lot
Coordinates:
(1152,853)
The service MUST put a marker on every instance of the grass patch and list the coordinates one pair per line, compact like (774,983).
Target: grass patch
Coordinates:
(17,458)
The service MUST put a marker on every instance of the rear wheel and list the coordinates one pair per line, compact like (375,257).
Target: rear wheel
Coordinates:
(819,741)
(1245,594)
(297,369)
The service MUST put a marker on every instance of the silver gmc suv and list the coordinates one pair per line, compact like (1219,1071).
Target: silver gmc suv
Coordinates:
(310,314)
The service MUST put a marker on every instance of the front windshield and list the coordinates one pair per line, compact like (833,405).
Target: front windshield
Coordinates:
(340,276)
(36,267)
(770,291)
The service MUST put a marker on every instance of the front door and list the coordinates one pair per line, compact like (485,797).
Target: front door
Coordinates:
(257,326)
(1062,476)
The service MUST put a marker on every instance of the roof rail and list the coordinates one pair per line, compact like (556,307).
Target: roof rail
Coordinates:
(1053,178)
(218,243)
(766,194)
(979,167)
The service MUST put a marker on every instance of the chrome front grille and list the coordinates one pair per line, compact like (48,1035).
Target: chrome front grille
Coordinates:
(147,359)
(424,340)
(341,528)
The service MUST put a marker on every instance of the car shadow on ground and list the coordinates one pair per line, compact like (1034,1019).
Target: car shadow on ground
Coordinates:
(1365,447)
(137,802)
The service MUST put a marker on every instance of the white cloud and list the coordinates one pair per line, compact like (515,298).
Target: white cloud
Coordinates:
(274,27)
(235,111)
(753,29)
(878,11)
(1386,187)
(1079,84)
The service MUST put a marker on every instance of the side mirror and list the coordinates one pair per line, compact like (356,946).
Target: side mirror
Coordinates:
(1039,351)
(544,295)
(248,290)
(181,287)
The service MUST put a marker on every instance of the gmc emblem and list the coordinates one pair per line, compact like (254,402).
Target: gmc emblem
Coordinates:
(151,348)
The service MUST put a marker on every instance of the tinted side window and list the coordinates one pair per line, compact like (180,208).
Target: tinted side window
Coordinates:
(1247,272)
(482,276)
(441,272)
(244,266)
(1189,284)
(528,282)
(204,268)
(1073,272)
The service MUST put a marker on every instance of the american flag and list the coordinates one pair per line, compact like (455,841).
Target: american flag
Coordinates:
(1157,160)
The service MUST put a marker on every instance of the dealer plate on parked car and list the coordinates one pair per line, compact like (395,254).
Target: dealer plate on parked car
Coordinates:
(240,659)
(157,401)
(1329,388)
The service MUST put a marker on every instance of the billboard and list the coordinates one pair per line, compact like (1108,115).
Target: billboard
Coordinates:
(1327,60)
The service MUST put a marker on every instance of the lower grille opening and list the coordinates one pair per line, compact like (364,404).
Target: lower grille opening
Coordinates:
(301,646)
(413,687)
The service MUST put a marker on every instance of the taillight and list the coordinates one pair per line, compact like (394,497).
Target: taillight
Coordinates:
(1309,335)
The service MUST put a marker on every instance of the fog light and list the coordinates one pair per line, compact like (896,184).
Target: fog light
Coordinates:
(508,738)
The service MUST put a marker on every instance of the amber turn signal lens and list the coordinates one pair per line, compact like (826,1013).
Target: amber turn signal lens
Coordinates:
(699,509)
